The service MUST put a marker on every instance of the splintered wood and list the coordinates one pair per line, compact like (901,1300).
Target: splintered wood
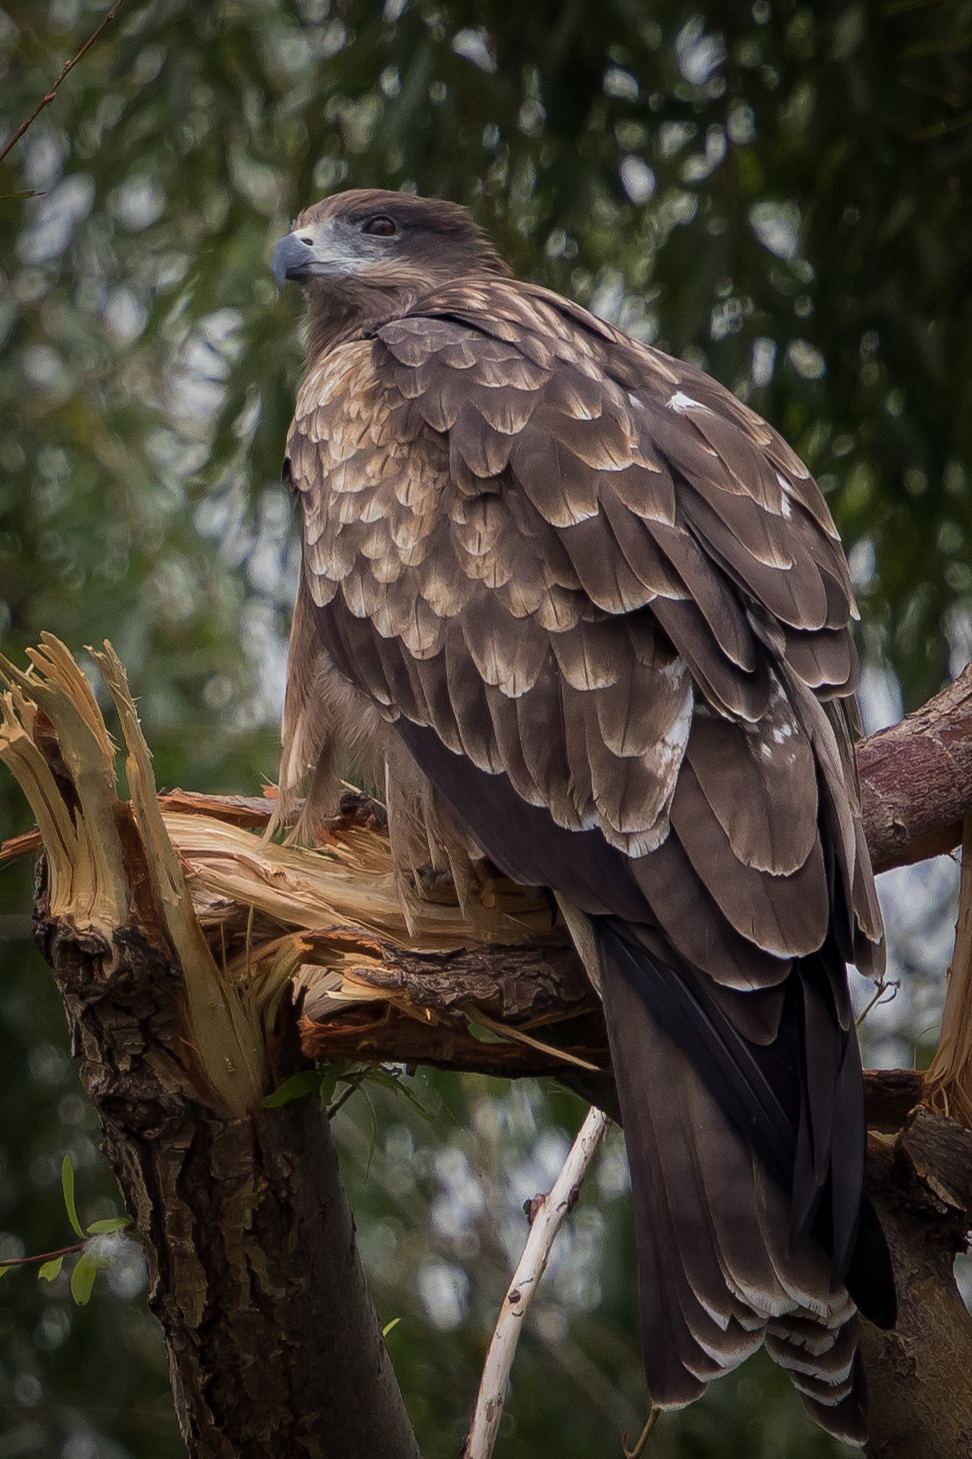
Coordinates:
(948,1083)
(249,917)
(493,987)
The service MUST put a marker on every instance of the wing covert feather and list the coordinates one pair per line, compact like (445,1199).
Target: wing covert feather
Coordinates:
(501,488)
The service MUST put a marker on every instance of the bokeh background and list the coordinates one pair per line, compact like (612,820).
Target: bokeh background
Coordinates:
(776,191)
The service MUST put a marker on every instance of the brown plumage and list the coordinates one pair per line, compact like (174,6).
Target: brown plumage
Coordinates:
(588,615)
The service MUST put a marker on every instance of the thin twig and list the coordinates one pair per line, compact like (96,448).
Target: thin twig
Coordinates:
(948,1080)
(884,986)
(548,1214)
(638,1449)
(68,68)
(341,1101)
(45,1255)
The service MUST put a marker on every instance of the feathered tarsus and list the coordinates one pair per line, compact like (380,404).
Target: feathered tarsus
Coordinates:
(588,616)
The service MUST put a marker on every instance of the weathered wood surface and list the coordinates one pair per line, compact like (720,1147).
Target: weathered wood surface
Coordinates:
(274,1345)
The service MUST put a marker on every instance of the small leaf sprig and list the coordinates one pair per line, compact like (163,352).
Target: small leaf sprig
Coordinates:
(323,1079)
(92,1248)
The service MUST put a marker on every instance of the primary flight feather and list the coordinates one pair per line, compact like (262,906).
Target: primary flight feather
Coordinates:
(588,617)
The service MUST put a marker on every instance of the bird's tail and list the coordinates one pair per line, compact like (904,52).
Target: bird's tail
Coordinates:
(723,1267)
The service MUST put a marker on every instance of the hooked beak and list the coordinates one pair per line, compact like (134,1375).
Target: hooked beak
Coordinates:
(294,258)
(330,250)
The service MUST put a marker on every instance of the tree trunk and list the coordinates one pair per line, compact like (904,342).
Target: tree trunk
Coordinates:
(274,1345)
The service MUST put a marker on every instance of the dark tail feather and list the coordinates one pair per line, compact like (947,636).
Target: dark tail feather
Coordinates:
(712,1150)
(870,1276)
(726,1061)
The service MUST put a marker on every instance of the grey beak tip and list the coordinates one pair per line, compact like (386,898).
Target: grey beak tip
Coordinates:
(288,258)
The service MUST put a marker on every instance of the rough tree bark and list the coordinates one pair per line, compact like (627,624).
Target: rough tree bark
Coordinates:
(248,1236)
(920,1178)
(274,1345)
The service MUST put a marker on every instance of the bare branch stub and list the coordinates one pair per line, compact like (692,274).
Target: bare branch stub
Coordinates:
(229,1198)
(545,1218)
(916,779)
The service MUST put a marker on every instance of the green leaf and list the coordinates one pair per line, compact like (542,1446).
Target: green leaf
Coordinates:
(67,1186)
(392,1080)
(82,1278)
(109,1227)
(389,1325)
(327,1083)
(296,1087)
(51,1269)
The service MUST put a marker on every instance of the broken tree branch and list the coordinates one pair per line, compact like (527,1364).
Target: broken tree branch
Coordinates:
(250,1244)
(916,786)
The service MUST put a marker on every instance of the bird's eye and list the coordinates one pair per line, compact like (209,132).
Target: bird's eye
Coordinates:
(380,227)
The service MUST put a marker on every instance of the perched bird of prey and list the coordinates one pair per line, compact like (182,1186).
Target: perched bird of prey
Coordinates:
(588,617)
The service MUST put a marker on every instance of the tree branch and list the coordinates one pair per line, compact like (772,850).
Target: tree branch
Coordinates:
(250,1243)
(920,1180)
(916,779)
(66,70)
(546,1215)
(916,787)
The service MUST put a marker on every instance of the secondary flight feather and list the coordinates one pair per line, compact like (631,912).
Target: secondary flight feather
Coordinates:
(587,616)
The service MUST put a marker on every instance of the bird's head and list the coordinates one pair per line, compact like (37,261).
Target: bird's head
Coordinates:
(361,251)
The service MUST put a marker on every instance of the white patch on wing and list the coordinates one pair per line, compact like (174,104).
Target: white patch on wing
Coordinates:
(776,692)
(681,401)
(787,489)
(664,760)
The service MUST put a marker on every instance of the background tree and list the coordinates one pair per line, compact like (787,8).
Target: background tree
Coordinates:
(772,191)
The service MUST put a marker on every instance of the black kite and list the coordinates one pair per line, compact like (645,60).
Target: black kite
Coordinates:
(588,614)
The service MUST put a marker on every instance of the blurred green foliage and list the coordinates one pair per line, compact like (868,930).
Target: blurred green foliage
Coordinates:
(773,190)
